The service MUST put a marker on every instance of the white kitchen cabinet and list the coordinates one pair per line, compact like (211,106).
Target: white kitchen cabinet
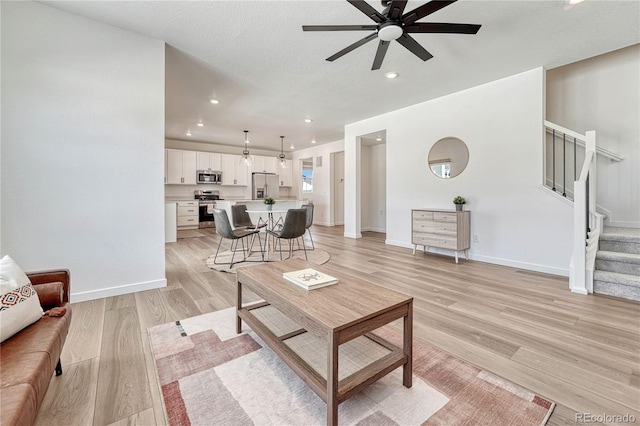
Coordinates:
(234,171)
(209,161)
(181,167)
(188,214)
(286,174)
(262,164)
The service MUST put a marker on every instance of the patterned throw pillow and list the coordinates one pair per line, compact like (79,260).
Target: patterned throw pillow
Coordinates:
(19,303)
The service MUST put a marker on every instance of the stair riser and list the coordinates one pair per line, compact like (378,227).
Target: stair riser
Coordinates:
(619,267)
(618,290)
(620,246)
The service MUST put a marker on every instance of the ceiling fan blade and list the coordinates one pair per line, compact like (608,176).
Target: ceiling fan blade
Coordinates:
(425,10)
(396,8)
(382,50)
(441,27)
(339,27)
(352,47)
(414,47)
(368,10)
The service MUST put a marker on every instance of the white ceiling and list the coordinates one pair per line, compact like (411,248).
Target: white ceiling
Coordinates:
(269,75)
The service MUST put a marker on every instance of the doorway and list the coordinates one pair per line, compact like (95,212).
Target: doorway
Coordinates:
(338,187)
(373,175)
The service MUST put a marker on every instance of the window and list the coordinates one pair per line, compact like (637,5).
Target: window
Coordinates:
(307,176)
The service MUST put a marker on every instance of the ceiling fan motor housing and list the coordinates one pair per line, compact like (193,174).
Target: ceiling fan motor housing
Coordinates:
(390,30)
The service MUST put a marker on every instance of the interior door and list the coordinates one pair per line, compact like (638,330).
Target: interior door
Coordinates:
(338,186)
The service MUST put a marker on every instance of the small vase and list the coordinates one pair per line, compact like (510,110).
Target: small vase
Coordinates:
(459,207)
(269,207)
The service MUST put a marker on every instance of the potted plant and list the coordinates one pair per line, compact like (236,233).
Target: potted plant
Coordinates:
(459,202)
(269,202)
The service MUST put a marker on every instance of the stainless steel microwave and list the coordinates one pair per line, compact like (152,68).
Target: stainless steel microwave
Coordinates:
(208,176)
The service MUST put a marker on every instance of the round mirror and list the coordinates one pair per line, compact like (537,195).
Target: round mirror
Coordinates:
(448,157)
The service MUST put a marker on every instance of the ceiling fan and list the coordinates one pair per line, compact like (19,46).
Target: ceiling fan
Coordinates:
(392,24)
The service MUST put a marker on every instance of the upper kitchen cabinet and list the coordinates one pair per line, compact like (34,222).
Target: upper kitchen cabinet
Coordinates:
(286,174)
(209,161)
(263,164)
(181,167)
(234,171)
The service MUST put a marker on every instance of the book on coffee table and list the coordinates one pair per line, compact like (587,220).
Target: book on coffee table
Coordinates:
(309,279)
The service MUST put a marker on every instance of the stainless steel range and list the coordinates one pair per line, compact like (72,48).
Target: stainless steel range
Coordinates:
(207,201)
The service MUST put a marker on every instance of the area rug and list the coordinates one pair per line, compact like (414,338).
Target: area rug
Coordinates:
(212,376)
(317,256)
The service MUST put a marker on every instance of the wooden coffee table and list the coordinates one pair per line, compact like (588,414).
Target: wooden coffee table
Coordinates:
(295,322)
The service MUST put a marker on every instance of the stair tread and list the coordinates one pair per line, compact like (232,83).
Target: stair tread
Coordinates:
(618,256)
(617,278)
(611,233)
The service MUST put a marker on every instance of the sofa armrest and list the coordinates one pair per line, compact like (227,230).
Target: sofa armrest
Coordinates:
(51,276)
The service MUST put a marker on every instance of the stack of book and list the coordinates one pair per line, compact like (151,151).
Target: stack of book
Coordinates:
(309,279)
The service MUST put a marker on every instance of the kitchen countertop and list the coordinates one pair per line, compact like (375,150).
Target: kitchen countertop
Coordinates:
(179,198)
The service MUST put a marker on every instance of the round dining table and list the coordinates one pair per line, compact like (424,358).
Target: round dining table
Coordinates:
(270,222)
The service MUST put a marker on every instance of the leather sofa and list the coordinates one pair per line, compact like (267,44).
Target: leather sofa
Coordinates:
(29,358)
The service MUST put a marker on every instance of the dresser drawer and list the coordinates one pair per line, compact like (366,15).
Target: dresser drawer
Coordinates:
(445,217)
(422,215)
(188,221)
(440,228)
(431,240)
(187,211)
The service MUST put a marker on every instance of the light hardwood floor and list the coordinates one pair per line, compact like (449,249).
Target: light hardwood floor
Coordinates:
(583,352)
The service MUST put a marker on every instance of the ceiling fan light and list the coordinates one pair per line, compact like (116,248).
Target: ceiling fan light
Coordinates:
(391,74)
(390,32)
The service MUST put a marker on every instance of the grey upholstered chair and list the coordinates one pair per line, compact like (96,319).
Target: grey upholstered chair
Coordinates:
(295,225)
(223,227)
(241,218)
(309,209)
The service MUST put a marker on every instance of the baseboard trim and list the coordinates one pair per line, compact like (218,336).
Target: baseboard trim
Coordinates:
(381,230)
(488,259)
(349,235)
(323,223)
(116,291)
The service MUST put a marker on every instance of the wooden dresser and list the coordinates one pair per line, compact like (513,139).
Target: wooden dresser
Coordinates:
(447,229)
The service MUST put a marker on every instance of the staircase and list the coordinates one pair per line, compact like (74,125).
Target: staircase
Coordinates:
(617,266)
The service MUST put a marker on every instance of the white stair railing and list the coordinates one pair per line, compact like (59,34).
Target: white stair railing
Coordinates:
(587,223)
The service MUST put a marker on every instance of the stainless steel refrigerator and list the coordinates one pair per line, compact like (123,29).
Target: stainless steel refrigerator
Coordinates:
(265,185)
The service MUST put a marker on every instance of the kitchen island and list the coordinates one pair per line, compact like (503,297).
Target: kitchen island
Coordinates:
(258,205)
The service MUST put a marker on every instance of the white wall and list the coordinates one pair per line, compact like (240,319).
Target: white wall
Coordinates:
(501,123)
(374,197)
(322,183)
(603,94)
(82,150)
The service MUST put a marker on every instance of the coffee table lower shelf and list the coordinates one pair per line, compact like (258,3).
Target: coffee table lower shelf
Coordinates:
(306,354)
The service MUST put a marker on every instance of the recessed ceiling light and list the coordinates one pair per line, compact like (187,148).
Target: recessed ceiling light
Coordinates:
(308,120)
(188,133)
(392,74)
(378,138)
(214,101)
(200,124)
(575,1)
(313,141)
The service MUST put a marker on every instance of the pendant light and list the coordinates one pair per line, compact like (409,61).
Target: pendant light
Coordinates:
(283,162)
(246,159)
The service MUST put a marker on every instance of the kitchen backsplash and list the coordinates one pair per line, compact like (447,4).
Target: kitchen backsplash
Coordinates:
(226,192)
